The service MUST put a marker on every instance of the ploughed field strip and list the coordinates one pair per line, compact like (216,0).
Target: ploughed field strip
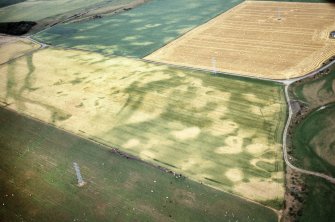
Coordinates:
(11,48)
(32,10)
(274,40)
(38,183)
(223,131)
(137,32)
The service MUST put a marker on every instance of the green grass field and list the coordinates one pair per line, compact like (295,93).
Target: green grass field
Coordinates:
(223,131)
(314,141)
(4,3)
(137,32)
(38,183)
(32,10)
(316,93)
(319,202)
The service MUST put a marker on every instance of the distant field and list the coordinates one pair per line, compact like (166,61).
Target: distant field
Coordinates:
(38,183)
(11,47)
(137,32)
(223,131)
(275,40)
(4,3)
(313,1)
(32,10)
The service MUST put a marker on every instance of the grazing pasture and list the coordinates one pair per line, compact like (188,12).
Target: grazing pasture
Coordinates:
(313,141)
(319,201)
(11,47)
(273,40)
(38,183)
(32,10)
(313,138)
(223,131)
(315,92)
(137,32)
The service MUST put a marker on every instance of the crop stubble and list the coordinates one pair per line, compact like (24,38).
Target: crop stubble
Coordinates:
(275,40)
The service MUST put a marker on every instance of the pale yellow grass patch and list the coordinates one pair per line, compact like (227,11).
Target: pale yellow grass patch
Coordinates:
(222,127)
(147,154)
(188,133)
(12,48)
(261,190)
(131,143)
(234,175)
(258,146)
(233,145)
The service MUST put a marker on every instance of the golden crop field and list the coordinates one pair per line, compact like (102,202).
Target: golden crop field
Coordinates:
(12,47)
(223,131)
(274,40)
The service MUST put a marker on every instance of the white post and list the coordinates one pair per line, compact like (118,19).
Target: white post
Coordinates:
(278,14)
(79,177)
(214,65)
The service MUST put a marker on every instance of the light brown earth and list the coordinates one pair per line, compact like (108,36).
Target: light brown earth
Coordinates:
(12,47)
(274,40)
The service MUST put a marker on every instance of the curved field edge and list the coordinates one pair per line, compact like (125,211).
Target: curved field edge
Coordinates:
(39,158)
(207,128)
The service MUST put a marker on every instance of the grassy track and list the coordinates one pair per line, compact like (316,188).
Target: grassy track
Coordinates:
(139,31)
(38,183)
(223,131)
(31,10)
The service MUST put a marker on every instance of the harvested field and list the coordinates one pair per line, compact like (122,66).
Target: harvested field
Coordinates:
(273,40)
(223,131)
(137,32)
(11,47)
(38,183)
